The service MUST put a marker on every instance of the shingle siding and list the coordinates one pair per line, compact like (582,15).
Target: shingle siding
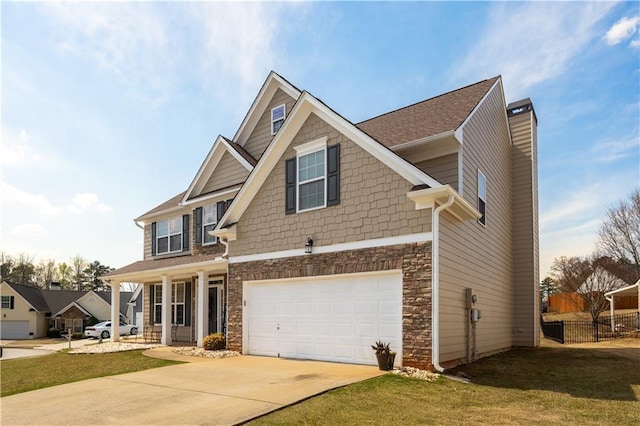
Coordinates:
(261,136)
(373,203)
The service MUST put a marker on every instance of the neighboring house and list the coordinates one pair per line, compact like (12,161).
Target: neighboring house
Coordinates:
(29,312)
(308,236)
(601,281)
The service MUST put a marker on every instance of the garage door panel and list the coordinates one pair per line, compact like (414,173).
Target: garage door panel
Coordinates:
(14,329)
(331,318)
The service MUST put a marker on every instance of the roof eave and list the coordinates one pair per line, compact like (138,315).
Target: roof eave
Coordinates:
(430,198)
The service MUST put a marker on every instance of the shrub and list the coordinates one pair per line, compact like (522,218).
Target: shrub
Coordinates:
(53,332)
(213,342)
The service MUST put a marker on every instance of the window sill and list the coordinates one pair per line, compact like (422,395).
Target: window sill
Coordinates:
(312,209)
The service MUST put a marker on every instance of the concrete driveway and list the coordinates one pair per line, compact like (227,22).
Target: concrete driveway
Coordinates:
(210,391)
(13,353)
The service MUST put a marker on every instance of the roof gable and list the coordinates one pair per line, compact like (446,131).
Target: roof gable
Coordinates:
(304,107)
(220,147)
(434,116)
(31,295)
(260,103)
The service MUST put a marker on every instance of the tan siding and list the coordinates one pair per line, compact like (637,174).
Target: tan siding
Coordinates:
(228,172)
(261,135)
(474,256)
(147,242)
(373,203)
(525,229)
(443,169)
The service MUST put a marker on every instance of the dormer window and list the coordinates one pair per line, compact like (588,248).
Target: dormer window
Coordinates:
(277,118)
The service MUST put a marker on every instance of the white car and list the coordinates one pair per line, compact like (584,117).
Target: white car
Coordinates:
(103,329)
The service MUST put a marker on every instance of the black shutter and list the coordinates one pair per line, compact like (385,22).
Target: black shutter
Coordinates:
(11,302)
(185,232)
(198,225)
(290,186)
(187,303)
(153,239)
(152,307)
(333,175)
(220,210)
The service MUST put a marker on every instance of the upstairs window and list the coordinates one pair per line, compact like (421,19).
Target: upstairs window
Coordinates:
(7,302)
(170,236)
(482,197)
(277,118)
(312,177)
(209,221)
(311,182)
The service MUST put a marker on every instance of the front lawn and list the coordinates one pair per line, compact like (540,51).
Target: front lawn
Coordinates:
(25,374)
(550,385)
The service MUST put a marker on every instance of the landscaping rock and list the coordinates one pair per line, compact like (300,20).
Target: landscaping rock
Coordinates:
(191,351)
(416,373)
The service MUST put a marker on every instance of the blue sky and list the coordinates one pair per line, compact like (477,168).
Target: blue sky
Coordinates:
(109,109)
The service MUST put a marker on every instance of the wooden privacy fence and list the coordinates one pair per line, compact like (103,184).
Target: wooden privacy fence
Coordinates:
(591,331)
(572,302)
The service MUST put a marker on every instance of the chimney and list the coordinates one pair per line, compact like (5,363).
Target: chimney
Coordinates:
(523,126)
(55,286)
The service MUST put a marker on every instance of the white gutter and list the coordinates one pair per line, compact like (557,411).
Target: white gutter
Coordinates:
(137,224)
(435,283)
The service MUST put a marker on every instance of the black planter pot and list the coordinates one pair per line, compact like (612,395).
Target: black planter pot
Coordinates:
(385,361)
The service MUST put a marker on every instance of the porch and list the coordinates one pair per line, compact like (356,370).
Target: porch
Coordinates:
(184,297)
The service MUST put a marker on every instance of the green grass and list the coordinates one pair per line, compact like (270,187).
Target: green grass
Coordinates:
(26,374)
(544,386)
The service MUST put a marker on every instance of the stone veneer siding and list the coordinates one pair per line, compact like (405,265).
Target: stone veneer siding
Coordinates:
(413,259)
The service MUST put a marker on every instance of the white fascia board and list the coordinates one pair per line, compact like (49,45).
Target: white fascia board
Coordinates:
(208,166)
(628,289)
(19,295)
(260,103)
(432,197)
(237,155)
(73,304)
(218,194)
(156,274)
(498,83)
(305,105)
(333,248)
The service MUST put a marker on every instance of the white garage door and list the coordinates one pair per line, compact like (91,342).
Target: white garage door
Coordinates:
(334,318)
(14,330)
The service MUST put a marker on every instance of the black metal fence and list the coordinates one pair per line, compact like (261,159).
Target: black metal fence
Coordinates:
(591,331)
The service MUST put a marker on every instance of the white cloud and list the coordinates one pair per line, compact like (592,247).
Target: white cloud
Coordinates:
(530,43)
(612,150)
(16,150)
(11,195)
(87,201)
(622,30)
(29,230)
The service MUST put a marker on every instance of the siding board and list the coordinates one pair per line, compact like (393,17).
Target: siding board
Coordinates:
(228,172)
(261,135)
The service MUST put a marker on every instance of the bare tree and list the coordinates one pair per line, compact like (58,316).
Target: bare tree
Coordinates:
(23,270)
(46,273)
(78,265)
(588,277)
(6,266)
(619,235)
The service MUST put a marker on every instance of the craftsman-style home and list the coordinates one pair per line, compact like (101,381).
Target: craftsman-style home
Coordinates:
(308,236)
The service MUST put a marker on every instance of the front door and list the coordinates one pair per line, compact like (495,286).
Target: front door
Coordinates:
(215,316)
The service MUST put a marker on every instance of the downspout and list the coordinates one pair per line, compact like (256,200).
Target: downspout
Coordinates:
(435,284)
(225,241)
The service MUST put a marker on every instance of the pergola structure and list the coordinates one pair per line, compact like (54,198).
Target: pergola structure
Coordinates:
(631,290)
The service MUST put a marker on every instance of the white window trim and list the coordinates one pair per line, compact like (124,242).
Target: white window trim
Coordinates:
(284,116)
(174,286)
(306,149)
(8,300)
(204,225)
(169,235)
(483,198)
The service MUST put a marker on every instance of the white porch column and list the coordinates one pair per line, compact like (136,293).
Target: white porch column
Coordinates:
(203,307)
(166,311)
(115,311)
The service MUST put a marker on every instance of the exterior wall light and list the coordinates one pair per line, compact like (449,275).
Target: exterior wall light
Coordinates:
(308,246)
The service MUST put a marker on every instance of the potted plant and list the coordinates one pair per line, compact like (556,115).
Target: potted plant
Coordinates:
(384,355)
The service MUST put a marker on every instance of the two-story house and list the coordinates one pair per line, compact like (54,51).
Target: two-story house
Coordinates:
(308,236)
